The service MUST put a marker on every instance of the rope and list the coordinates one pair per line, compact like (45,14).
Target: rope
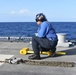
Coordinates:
(50,63)
(39,63)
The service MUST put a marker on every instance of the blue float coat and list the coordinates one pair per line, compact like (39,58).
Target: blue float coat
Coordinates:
(46,30)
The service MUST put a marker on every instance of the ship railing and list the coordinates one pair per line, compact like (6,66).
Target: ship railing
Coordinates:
(15,39)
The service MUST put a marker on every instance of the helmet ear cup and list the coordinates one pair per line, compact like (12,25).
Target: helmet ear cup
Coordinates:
(41,18)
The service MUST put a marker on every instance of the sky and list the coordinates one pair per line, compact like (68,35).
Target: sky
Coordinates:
(26,10)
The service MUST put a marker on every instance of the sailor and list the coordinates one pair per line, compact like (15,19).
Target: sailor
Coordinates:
(45,38)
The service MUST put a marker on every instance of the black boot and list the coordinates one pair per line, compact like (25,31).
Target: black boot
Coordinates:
(53,52)
(34,57)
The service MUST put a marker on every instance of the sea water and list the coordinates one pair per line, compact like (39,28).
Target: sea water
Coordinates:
(28,29)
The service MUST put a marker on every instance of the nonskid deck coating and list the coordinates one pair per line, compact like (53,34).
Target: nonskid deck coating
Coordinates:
(13,48)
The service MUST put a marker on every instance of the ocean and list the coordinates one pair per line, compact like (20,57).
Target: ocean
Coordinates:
(27,29)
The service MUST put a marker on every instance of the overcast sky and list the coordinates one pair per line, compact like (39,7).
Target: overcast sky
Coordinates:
(25,10)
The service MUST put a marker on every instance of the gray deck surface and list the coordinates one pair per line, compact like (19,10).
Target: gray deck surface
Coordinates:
(13,48)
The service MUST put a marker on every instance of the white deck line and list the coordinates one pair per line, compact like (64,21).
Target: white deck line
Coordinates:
(3,57)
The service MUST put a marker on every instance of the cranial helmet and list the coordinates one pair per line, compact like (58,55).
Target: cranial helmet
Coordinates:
(40,17)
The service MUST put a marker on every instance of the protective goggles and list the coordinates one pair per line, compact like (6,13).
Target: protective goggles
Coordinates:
(37,16)
(37,20)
